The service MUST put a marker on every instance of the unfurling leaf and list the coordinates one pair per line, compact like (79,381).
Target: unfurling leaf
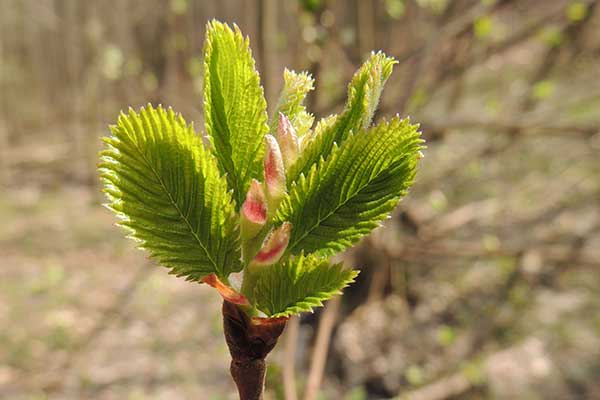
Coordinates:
(363,97)
(234,106)
(274,174)
(295,88)
(288,141)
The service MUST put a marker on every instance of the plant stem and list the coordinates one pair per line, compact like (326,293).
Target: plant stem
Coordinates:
(249,343)
(289,361)
(321,349)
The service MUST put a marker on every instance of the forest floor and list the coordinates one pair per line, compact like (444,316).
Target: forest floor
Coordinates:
(83,314)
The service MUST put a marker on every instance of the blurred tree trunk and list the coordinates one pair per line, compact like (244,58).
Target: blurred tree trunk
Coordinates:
(76,102)
(366,26)
(175,74)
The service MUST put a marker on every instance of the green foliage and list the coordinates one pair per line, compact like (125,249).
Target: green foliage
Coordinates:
(483,27)
(577,11)
(395,8)
(363,97)
(299,284)
(348,195)
(311,5)
(543,89)
(552,36)
(167,190)
(295,88)
(235,109)
(182,201)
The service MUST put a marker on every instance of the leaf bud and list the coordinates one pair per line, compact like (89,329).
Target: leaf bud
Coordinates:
(274,245)
(254,211)
(274,174)
(288,140)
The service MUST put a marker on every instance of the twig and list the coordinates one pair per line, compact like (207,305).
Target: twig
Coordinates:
(319,353)
(444,388)
(571,31)
(519,37)
(249,343)
(514,127)
(289,359)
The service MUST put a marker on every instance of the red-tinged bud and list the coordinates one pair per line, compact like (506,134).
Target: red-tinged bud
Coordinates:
(274,174)
(274,245)
(288,140)
(225,291)
(254,211)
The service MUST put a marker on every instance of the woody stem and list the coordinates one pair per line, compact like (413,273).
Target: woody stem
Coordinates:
(249,344)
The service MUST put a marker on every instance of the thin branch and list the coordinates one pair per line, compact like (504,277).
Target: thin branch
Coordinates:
(451,386)
(321,349)
(289,359)
(439,128)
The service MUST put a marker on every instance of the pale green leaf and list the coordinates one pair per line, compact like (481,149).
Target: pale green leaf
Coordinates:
(295,88)
(348,195)
(167,190)
(299,284)
(364,92)
(234,106)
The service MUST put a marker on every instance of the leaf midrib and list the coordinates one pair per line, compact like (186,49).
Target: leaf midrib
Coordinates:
(174,203)
(316,225)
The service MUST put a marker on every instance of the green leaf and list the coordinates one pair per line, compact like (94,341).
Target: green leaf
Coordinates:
(166,188)
(234,106)
(295,88)
(348,195)
(299,284)
(364,92)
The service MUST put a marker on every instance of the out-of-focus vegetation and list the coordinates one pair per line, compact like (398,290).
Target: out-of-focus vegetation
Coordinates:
(483,286)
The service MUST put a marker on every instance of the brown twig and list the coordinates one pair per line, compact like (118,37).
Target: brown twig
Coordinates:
(289,359)
(515,127)
(249,342)
(450,386)
(319,353)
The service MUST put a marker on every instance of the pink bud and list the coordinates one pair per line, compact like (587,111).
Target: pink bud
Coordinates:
(288,140)
(225,291)
(255,207)
(274,173)
(274,245)
(254,211)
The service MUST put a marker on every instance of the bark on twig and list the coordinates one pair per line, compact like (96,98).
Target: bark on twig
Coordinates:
(289,362)
(249,342)
(321,349)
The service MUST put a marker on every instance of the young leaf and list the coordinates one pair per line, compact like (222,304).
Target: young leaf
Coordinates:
(363,97)
(166,188)
(234,106)
(348,195)
(299,284)
(295,88)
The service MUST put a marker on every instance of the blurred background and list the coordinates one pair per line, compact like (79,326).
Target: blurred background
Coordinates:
(484,285)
